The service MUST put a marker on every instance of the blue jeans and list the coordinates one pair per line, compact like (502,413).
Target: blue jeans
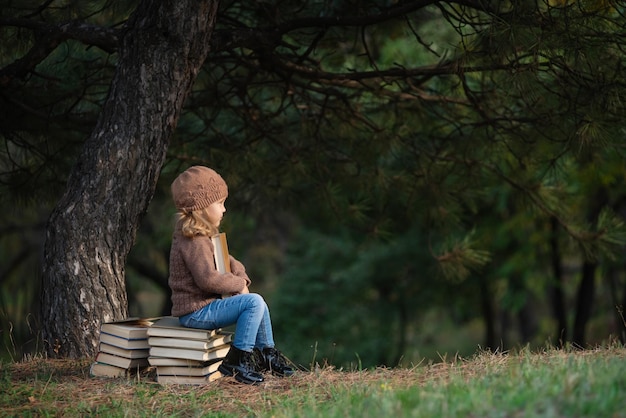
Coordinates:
(249,311)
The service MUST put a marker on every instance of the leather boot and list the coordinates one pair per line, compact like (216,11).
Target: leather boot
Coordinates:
(240,364)
(271,360)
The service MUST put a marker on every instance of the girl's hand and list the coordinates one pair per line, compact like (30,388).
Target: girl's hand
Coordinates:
(243,292)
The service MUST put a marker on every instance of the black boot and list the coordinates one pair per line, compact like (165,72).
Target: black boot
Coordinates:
(240,364)
(271,360)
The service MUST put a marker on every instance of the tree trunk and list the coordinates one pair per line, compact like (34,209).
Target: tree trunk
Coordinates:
(584,303)
(489,315)
(92,228)
(528,323)
(612,275)
(586,289)
(555,289)
(622,315)
(403,325)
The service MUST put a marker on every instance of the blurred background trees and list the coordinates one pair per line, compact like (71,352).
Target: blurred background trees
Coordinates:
(406,179)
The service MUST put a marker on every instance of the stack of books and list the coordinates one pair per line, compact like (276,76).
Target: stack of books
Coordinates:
(186,355)
(123,348)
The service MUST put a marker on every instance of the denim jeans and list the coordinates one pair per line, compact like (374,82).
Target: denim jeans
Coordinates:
(249,311)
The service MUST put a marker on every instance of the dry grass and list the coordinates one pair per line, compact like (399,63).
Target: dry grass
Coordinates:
(64,387)
(56,385)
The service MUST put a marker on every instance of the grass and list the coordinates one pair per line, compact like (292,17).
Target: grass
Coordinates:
(551,383)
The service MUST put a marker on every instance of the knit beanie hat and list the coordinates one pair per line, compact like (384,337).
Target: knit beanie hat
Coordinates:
(197,188)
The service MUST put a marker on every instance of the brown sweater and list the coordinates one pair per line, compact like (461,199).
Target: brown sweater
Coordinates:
(194,280)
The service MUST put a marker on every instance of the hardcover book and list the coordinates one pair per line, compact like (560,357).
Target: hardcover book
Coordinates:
(107,370)
(123,362)
(130,329)
(215,341)
(123,352)
(222,260)
(178,362)
(123,348)
(189,380)
(135,344)
(183,353)
(220,253)
(169,326)
(188,371)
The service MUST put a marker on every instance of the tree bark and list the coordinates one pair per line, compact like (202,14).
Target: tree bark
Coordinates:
(489,316)
(584,303)
(92,228)
(621,314)
(528,323)
(586,289)
(555,289)
(612,276)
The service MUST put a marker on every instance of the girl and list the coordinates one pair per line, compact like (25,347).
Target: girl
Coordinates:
(199,194)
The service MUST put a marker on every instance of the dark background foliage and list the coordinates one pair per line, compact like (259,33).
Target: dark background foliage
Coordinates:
(406,179)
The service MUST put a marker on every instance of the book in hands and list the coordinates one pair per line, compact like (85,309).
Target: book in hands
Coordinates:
(220,253)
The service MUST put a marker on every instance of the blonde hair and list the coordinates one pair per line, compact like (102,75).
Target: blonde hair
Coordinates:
(195,223)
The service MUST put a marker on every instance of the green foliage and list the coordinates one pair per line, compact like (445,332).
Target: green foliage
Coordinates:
(457,260)
(349,301)
(440,143)
(47,115)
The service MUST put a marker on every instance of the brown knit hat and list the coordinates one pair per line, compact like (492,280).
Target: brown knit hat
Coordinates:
(197,188)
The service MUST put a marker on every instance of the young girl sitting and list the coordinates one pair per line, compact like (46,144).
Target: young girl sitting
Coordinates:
(199,194)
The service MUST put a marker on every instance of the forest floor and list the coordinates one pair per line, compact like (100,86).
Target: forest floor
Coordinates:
(549,383)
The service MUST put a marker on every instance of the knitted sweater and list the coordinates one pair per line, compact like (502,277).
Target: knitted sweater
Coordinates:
(194,280)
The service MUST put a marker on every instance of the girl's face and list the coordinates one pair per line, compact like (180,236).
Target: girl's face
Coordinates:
(215,212)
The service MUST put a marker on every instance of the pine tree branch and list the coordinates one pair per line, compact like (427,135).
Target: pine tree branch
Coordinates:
(397,10)
(93,35)
(262,40)
(25,65)
(48,37)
